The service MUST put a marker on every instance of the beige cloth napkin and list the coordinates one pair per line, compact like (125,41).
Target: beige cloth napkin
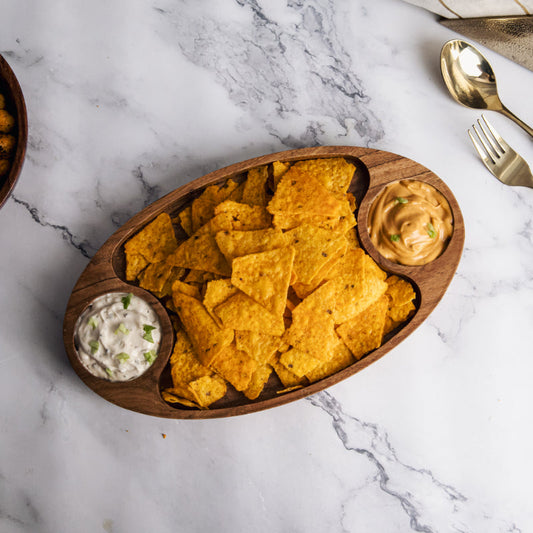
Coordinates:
(476,8)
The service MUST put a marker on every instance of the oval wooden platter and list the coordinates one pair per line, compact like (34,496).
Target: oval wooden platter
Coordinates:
(10,88)
(105,273)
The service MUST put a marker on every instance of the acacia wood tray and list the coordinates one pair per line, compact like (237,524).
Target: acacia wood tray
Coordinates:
(10,88)
(106,273)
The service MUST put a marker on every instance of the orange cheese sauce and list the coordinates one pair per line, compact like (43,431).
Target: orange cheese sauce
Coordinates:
(410,223)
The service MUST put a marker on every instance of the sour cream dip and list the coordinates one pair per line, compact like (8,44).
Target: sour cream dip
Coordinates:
(118,336)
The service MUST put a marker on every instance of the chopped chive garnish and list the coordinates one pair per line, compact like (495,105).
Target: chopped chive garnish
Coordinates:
(93,322)
(149,356)
(122,356)
(431,231)
(148,333)
(126,300)
(109,372)
(94,346)
(395,237)
(122,329)
(400,200)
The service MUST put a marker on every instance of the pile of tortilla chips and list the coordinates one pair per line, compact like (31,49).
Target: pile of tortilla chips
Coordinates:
(268,277)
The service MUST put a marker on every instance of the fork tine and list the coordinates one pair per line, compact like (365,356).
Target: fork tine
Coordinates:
(504,146)
(487,148)
(492,140)
(488,161)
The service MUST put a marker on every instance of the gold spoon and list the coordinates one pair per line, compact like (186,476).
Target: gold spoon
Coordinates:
(471,81)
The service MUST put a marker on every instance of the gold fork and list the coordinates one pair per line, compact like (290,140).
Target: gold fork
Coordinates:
(508,166)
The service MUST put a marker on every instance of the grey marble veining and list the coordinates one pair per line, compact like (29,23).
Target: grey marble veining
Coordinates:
(130,99)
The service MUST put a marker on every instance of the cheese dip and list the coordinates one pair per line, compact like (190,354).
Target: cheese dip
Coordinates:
(410,223)
(117,337)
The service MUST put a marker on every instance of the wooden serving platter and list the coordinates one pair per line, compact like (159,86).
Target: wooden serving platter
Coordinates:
(15,105)
(106,273)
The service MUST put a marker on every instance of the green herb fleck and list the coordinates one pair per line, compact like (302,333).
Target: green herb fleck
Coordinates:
(109,372)
(122,356)
(395,237)
(400,200)
(93,322)
(148,333)
(431,231)
(150,356)
(122,329)
(94,346)
(127,300)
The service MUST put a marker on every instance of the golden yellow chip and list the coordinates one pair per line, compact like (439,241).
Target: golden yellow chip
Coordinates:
(258,381)
(240,312)
(365,332)
(259,346)
(265,277)
(298,193)
(207,338)
(216,292)
(176,274)
(155,275)
(184,363)
(171,396)
(185,288)
(312,331)
(335,174)
(401,295)
(315,247)
(298,362)
(135,263)
(286,376)
(236,243)
(185,219)
(278,170)
(208,389)
(200,252)
(203,207)
(235,366)
(341,359)
(236,194)
(254,192)
(243,216)
(155,241)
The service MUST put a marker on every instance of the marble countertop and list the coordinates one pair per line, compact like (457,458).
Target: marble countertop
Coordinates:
(129,99)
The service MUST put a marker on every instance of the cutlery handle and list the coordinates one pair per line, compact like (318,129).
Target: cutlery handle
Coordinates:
(521,123)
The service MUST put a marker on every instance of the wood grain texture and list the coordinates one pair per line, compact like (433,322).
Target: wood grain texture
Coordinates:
(15,104)
(105,273)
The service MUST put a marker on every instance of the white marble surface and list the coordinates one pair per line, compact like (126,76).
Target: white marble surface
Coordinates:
(131,98)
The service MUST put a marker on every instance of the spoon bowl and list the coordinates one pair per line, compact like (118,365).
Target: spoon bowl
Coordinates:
(471,80)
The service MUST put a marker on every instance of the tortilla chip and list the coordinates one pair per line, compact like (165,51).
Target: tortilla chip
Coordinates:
(216,292)
(154,277)
(335,174)
(243,216)
(207,338)
(341,359)
(235,366)
(171,396)
(254,192)
(240,312)
(200,252)
(278,171)
(208,389)
(259,346)
(185,218)
(314,247)
(298,193)
(364,332)
(238,243)
(401,295)
(135,264)
(286,376)
(155,241)
(265,277)
(298,362)
(185,288)
(258,381)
